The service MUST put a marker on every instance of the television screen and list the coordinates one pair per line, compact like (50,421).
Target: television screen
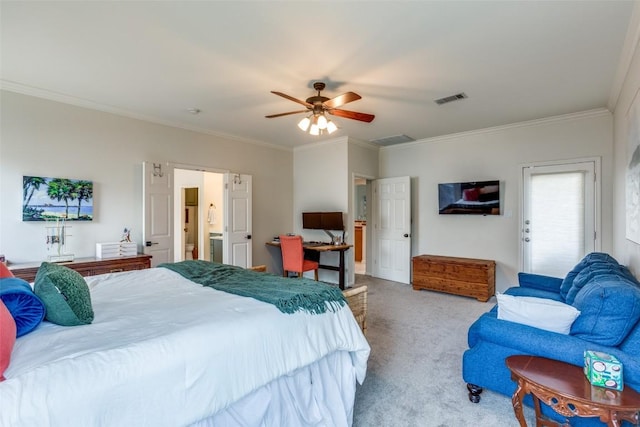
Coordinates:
(322,220)
(469,198)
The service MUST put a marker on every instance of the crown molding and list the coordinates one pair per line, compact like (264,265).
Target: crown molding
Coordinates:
(537,122)
(10,86)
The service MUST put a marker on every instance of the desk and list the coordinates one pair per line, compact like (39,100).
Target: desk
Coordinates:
(316,249)
(567,391)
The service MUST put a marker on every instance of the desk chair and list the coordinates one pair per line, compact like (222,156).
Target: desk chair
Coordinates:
(293,257)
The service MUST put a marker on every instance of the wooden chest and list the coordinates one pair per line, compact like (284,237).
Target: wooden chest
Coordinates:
(459,276)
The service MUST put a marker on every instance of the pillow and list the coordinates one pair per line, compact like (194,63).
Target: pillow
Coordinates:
(584,262)
(610,307)
(4,271)
(65,295)
(7,338)
(541,313)
(589,273)
(25,307)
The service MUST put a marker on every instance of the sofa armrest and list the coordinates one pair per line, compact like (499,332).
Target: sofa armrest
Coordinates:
(538,281)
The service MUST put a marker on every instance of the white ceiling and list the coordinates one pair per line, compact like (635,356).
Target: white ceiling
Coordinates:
(516,61)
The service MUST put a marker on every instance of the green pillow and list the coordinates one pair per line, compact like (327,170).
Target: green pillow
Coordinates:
(65,295)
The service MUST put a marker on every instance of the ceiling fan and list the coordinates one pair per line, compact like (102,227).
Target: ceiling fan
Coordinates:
(316,122)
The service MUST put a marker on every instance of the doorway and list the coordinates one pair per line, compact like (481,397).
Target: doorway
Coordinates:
(559,221)
(228,212)
(198,214)
(361,188)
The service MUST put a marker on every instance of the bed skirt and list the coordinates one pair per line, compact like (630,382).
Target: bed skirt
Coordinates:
(321,394)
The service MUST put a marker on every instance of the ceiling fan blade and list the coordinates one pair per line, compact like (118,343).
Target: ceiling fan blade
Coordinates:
(342,99)
(285,114)
(363,117)
(291,98)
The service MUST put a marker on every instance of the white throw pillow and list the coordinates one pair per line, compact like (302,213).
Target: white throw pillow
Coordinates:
(541,313)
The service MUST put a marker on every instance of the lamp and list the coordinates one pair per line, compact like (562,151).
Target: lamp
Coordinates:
(304,124)
(317,124)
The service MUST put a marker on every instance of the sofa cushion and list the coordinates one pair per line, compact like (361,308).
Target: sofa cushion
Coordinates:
(522,291)
(631,343)
(590,258)
(593,272)
(541,313)
(609,308)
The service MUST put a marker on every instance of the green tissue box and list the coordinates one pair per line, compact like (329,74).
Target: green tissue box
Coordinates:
(603,370)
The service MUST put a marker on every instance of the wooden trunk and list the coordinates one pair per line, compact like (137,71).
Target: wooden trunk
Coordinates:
(87,266)
(459,276)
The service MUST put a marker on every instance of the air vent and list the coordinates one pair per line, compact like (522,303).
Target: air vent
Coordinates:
(392,140)
(451,98)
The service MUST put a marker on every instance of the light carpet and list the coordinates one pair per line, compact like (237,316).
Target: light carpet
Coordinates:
(414,375)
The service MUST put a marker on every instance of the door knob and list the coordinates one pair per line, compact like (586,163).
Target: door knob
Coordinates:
(406,235)
(526,239)
(248,236)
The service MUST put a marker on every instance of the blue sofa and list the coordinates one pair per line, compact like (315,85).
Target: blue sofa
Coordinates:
(608,297)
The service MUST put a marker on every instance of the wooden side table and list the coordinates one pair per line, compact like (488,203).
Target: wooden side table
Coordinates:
(567,391)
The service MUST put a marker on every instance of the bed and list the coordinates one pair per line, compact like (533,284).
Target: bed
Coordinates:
(163,350)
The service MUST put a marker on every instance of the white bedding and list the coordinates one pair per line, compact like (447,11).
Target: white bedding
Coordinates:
(163,351)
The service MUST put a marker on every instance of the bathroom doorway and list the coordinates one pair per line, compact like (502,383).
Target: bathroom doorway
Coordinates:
(198,215)
(190,222)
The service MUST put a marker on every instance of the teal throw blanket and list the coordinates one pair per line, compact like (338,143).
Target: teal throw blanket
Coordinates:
(289,295)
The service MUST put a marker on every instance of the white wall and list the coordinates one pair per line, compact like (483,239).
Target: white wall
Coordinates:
(626,251)
(324,181)
(45,138)
(495,153)
(320,173)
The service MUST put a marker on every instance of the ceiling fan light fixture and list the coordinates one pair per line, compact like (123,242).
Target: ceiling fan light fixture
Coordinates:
(322,121)
(317,123)
(304,124)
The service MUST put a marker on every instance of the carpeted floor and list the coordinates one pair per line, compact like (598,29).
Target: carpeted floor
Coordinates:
(414,375)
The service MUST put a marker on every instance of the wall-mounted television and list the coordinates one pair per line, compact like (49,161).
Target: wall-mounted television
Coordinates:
(469,198)
(322,221)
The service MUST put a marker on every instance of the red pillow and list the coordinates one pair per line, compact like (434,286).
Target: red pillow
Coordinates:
(7,338)
(4,271)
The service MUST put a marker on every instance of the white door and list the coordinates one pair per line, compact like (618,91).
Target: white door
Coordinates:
(237,248)
(157,208)
(392,229)
(559,221)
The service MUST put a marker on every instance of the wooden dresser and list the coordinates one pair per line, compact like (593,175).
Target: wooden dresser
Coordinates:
(459,276)
(87,266)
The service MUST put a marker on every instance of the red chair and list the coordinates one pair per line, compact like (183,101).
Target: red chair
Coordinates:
(293,257)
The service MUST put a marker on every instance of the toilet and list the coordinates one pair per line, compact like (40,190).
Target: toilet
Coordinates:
(188,251)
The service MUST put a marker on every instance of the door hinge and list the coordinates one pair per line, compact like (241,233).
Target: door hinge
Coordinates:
(226,185)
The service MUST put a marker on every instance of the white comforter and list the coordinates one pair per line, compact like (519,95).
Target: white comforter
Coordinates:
(163,351)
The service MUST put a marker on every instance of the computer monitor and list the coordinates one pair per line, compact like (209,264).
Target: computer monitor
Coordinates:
(330,221)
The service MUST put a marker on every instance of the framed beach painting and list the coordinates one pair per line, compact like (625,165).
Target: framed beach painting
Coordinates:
(632,183)
(47,199)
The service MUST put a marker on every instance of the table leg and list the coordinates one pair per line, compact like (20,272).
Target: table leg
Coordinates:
(516,401)
(341,271)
